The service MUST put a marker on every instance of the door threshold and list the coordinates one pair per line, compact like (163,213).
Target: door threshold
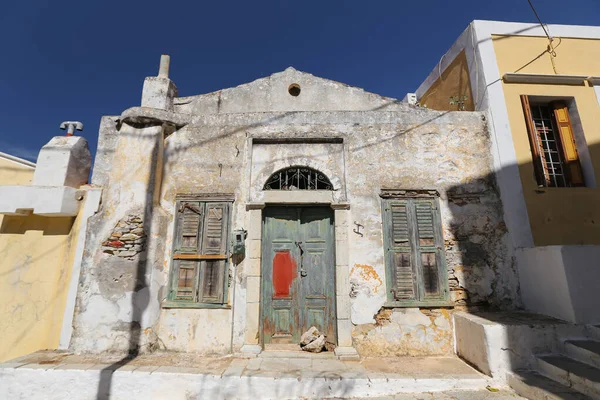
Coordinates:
(292,351)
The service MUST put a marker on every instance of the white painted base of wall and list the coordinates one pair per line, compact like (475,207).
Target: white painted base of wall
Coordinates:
(561,281)
(165,383)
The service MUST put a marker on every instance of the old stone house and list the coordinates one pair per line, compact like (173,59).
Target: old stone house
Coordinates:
(233,221)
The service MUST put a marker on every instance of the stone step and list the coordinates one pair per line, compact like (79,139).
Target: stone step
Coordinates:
(295,354)
(534,386)
(572,373)
(586,351)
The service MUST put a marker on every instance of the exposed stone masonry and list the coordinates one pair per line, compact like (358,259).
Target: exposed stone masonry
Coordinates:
(127,239)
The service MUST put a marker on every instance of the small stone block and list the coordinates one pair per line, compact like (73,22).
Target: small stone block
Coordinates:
(346,353)
(251,349)
(126,253)
(129,236)
(79,367)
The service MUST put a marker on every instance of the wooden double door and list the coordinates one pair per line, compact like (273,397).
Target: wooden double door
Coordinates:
(298,273)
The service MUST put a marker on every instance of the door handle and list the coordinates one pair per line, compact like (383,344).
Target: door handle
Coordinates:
(303,273)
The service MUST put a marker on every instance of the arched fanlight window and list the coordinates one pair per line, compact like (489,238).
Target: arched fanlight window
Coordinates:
(298,178)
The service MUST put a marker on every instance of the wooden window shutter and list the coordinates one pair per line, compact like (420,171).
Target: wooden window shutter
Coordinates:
(535,143)
(428,248)
(569,148)
(185,281)
(400,253)
(214,242)
(189,226)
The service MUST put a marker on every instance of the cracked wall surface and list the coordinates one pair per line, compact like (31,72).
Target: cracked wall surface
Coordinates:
(233,141)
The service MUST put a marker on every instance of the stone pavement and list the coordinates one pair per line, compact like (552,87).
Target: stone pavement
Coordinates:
(272,375)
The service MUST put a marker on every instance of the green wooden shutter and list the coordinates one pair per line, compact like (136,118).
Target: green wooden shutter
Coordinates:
(428,249)
(185,273)
(214,242)
(189,226)
(185,280)
(399,252)
(414,243)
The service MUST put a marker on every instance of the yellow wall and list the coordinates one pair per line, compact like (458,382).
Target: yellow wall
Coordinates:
(453,82)
(13,173)
(36,255)
(556,215)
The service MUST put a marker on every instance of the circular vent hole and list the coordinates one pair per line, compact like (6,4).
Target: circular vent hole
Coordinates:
(294,89)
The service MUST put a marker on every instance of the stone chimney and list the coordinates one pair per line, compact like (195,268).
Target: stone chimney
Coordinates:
(159,91)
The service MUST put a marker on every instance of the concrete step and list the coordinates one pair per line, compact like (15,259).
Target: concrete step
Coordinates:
(594,331)
(587,351)
(572,373)
(534,386)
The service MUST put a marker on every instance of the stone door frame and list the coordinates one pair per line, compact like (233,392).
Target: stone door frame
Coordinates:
(252,265)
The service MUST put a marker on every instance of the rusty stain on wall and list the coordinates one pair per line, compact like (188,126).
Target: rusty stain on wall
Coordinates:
(367,273)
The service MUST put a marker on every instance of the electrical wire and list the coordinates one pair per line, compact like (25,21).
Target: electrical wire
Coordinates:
(551,49)
(539,20)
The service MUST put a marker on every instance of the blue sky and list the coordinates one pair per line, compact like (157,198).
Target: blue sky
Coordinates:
(79,60)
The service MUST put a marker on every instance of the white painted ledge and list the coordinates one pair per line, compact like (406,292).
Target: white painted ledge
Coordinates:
(49,201)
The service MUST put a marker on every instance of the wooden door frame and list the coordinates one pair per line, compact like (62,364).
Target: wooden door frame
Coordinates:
(253,342)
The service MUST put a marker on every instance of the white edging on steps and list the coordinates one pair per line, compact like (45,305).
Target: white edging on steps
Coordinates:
(586,351)
(177,383)
(534,386)
(572,373)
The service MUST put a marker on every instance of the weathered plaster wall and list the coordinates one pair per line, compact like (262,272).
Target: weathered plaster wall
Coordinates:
(117,304)
(399,147)
(406,331)
(271,94)
(414,149)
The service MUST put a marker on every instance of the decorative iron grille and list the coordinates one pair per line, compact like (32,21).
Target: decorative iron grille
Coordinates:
(298,178)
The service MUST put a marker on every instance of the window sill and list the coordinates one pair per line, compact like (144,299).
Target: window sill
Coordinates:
(174,304)
(550,189)
(417,304)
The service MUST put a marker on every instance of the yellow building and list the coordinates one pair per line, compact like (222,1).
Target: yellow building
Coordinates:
(39,259)
(541,89)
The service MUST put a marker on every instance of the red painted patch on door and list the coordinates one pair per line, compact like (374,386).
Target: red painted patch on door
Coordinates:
(284,272)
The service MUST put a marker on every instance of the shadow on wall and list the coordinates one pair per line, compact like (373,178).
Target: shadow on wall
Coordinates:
(19,225)
(142,273)
(557,279)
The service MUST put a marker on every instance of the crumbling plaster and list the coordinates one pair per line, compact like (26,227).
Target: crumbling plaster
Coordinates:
(384,144)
